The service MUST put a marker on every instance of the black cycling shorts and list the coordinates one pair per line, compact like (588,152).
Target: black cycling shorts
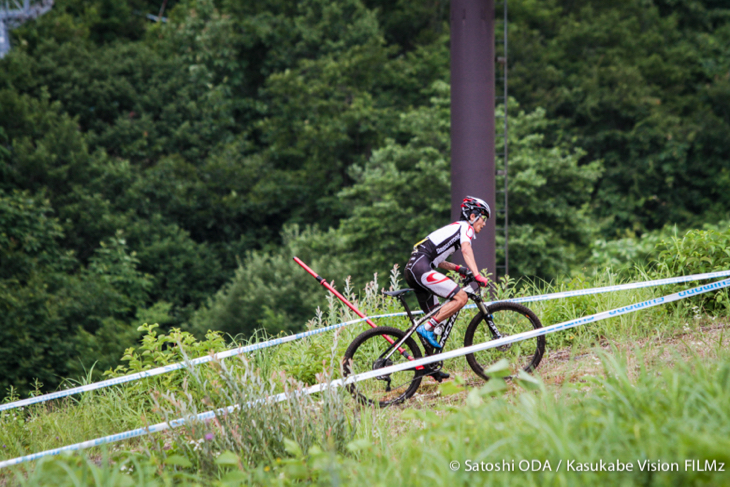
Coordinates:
(427,282)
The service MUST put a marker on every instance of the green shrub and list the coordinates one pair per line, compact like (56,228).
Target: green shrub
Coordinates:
(269,290)
(158,350)
(624,253)
(697,252)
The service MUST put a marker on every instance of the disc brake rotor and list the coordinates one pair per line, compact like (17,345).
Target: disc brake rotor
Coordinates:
(504,348)
(382,363)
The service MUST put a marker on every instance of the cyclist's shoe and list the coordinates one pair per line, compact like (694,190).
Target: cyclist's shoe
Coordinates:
(429,336)
(439,376)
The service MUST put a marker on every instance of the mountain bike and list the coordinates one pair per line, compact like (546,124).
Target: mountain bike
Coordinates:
(384,346)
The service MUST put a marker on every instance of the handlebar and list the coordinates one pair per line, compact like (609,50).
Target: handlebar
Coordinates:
(465,271)
(468,279)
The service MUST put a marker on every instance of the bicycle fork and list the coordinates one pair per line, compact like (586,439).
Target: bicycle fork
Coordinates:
(496,335)
(489,319)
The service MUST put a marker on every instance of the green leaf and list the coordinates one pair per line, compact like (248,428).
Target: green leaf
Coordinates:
(357,445)
(493,387)
(293,448)
(528,381)
(227,458)
(449,388)
(234,478)
(178,460)
(296,471)
(315,452)
(474,398)
(499,369)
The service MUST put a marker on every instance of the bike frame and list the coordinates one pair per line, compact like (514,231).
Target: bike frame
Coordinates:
(474,295)
(469,285)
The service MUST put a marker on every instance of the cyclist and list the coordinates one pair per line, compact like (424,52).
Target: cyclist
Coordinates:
(431,253)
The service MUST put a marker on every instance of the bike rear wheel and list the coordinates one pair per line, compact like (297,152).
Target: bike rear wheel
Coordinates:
(366,352)
(509,319)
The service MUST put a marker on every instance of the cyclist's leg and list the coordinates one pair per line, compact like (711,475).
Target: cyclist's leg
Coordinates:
(455,304)
(427,301)
(428,284)
(415,268)
(439,285)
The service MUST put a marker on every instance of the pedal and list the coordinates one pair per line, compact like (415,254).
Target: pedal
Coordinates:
(439,376)
(434,371)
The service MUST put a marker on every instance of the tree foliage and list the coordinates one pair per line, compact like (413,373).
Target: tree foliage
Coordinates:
(398,196)
(59,318)
(642,86)
(157,171)
(269,291)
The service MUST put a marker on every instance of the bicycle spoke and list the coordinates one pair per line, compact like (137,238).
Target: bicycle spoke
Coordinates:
(508,319)
(366,353)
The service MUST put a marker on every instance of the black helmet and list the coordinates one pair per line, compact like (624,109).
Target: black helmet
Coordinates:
(472,205)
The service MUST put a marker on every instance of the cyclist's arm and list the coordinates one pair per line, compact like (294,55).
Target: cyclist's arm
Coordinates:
(468,254)
(448,266)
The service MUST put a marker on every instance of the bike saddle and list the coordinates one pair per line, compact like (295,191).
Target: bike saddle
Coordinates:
(397,293)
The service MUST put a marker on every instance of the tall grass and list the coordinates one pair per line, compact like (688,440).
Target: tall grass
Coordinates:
(667,415)
(51,425)
(311,438)
(648,417)
(258,430)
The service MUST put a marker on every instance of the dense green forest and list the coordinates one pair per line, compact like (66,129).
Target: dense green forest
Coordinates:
(167,172)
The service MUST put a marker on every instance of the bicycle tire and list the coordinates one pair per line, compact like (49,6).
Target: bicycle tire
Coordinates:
(360,357)
(510,319)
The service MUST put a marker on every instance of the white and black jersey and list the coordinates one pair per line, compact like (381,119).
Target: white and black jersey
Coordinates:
(427,255)
(439,245)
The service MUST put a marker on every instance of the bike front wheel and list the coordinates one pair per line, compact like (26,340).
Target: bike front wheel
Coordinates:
(366,353)
(508,319)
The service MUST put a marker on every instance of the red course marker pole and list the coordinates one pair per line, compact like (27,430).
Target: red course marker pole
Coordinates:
(323,282)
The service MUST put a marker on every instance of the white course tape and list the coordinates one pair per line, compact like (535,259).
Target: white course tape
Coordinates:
(621,287)
(388,370)
(113,438)
(170,368)
(298,336)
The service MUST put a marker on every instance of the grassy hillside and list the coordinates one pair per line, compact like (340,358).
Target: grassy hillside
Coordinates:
(648,386)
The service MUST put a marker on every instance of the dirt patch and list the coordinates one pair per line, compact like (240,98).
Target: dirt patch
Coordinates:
(705,341)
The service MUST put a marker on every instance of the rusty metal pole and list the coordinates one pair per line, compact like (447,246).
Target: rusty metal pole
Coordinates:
(472,116)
